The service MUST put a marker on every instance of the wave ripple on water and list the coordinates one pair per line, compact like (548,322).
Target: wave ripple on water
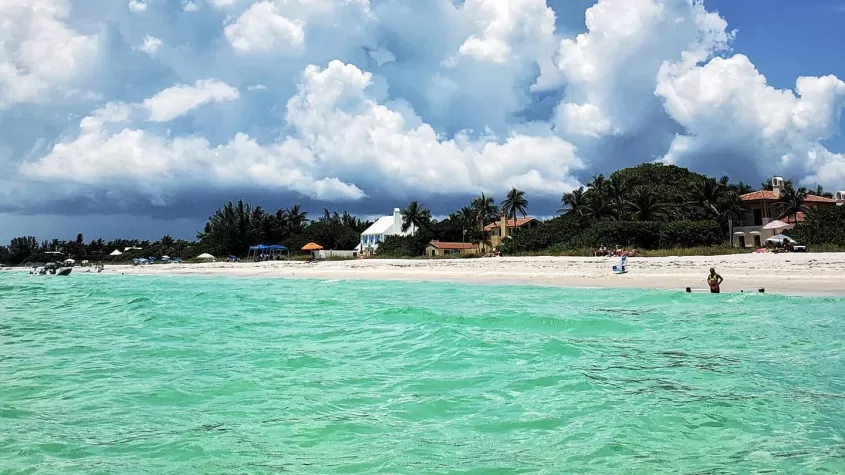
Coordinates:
(113,374)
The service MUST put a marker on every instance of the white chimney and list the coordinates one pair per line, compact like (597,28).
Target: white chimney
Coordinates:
(777,185)
(397,220)
(840,198)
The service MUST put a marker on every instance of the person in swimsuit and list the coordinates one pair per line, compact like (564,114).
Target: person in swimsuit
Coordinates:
(714,280)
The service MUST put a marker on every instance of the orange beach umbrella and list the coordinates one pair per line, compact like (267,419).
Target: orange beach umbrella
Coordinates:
(312,246)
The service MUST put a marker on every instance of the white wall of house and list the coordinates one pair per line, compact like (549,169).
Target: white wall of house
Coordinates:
(383,227)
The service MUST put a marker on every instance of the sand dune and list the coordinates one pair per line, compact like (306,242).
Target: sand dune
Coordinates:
(781,273)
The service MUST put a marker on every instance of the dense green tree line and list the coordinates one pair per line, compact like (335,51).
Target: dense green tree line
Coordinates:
(28,249)
(237,226)
(662,206)
(648,206)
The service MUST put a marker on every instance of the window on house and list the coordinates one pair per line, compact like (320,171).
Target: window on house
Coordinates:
(758,217)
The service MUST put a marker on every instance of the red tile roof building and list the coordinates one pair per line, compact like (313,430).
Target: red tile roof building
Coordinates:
(452,245)
(438,248)
(512,223)
(495,233)
(760,210)
(769,195)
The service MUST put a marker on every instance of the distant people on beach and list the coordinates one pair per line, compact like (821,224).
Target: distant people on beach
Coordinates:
(618,252)
(714,280)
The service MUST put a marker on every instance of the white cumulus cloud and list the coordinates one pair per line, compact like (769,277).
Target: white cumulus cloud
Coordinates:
(178,100)
(727,105)
(150,45)
(392,100)
(611,70)
(343,144)
(272,25)
(263,28)
(39,53)
(137,6)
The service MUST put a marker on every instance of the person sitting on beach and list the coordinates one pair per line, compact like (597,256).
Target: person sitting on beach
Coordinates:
(714,280)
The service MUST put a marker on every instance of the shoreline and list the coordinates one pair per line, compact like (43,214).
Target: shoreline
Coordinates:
(820,274)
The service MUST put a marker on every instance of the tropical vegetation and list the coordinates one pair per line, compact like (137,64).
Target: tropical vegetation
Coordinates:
(650,206)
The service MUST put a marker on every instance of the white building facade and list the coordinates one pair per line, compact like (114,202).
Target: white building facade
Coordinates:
(383,227)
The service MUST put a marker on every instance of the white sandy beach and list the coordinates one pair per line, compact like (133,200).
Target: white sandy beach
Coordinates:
(818,273)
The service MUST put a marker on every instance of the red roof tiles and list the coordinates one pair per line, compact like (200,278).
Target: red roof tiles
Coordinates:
(799,218)
(518,223)
(768,195)
(452,245)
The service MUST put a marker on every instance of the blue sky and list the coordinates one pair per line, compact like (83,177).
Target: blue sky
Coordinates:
(140,117)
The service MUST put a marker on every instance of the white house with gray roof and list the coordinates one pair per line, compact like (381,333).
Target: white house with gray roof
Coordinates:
(383,227)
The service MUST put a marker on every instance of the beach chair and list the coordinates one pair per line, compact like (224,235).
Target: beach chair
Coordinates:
(621,267)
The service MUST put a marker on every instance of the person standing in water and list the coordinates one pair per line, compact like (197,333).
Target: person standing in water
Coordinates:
(714,280)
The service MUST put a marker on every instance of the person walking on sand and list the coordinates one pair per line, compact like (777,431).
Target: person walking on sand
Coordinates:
(714,280)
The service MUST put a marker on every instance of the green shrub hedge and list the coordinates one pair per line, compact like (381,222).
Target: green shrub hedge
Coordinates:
(573,233)
(822,226)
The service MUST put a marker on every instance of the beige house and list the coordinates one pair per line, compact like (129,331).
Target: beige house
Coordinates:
(496,233)
(760,210)
(440,249)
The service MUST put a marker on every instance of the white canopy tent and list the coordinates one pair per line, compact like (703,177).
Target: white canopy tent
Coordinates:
(116,253)
(205,256)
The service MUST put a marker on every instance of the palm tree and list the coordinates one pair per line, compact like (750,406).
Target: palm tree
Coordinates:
(599,197)
(732,210)
(819,191)
(515,203)
(295,218)
(646,206)
(485,209)
(330,217)
(234,228)
(707,193)
(415,216)
(575,202)
(289,222)
(791,202)
(617,191)
(465,214)
(731,206)
(598,185)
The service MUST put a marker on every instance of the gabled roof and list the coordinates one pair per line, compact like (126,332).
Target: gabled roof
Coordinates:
(769,195)
(512,223)
(381,226)
(452,245)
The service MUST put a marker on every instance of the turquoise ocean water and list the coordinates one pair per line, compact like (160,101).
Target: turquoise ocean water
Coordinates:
(177,375)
